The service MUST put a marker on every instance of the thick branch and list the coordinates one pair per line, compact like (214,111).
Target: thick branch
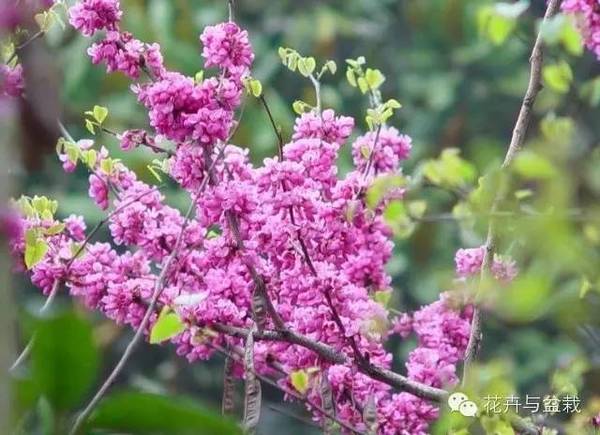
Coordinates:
(334,356)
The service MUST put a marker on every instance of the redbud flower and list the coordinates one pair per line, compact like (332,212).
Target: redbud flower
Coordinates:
(587,13)
(12,82)
(88,16)
(390,148)
(226,46)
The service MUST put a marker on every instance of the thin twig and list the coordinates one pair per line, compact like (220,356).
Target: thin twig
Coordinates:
(274,125)
(516,143)
(158,288)
(25,353)
(14,54)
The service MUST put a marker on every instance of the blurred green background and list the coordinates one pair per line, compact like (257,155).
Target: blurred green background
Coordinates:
(460,83)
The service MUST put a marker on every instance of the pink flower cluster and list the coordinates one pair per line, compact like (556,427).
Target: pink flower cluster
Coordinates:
(306,232)
(12,83)
(469,261)
(388,147)
(131,139)
(119,50)
(325,125)
(588,16)
(89,16)
(226,46)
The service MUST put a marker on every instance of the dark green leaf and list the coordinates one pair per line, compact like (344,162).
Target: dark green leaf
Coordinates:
(145,413)
(64,359)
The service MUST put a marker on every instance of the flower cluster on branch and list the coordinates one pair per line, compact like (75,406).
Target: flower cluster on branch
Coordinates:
(290,233)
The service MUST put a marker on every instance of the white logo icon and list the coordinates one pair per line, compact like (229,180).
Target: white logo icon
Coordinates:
(459,402)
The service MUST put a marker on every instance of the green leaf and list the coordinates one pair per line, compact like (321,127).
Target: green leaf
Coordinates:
(299,379)
(34,252)
(523,194)
(107,165)
(282,54)
(571,38)
(89,125)
(533,166)
(495,425)
(199,77)
(450,170)
(393,104)
(45,20)
(493,25)
(100,113)
(363,85)
(511,10)
(374,78)
(331,66)
(168,325)
(557,128)
(146,413)
(558,76)
(585,287)
(590,92)
(64,359)
(155,173)
(383,297)
(417,208)
(55,229)
(381,186)
(306,65)
(351,77)
(92,158)
(311,64)
(300,107)
(396,216)
(524,300)
(256,87)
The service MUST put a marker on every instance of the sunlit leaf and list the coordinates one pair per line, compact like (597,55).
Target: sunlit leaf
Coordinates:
(100,113)
(168,325)
(533,165)
(299,380)
(558,76)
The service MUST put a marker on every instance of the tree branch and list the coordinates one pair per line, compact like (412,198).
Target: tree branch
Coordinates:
(516,143)
(334,356)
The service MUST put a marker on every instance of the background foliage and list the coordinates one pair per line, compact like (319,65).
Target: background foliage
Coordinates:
(459,69)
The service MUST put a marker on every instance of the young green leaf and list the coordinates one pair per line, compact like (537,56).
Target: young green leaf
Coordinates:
(351,77)
(363,85)
(89,125)
(374,78)
(558,76)
(34,252)
(100,114)
(168,325)
(256,87)
(299,379)
(55,229)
